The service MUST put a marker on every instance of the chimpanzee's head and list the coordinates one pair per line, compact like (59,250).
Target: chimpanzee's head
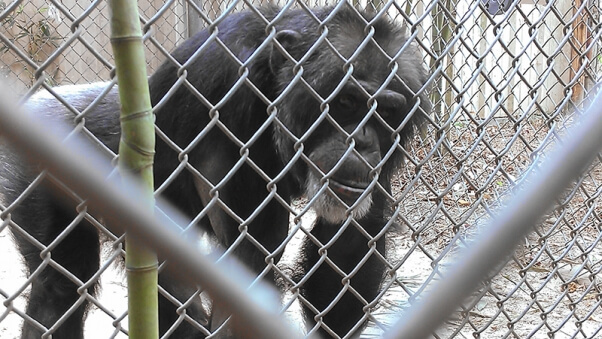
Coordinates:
(358,99)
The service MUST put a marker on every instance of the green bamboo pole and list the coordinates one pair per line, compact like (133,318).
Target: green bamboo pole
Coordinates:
(136,152)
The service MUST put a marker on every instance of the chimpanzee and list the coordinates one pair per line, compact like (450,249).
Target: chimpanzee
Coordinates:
(246,125)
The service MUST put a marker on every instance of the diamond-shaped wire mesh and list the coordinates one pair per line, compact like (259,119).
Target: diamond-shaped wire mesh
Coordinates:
(506,78)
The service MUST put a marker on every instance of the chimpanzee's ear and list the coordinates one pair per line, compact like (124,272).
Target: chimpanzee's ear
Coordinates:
(287,38)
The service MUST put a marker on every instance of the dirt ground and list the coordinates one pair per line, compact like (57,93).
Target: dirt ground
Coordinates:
(414,270)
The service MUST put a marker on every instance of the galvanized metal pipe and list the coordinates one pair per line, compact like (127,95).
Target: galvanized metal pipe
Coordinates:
(491,249)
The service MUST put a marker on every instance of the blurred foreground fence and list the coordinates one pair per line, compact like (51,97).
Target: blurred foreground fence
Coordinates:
(507,80)
(75,164)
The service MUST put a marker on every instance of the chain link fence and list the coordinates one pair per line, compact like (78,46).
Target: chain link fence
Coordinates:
(506,80)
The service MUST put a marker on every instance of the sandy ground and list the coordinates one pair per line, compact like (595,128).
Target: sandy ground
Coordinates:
(113,294)
(484,316)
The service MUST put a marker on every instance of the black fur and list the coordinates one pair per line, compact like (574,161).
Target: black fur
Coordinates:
(183,117)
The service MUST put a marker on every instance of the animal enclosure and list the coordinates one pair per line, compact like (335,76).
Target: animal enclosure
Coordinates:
(505,81)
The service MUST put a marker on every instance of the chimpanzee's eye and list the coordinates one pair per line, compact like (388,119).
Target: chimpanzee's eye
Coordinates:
(347,101)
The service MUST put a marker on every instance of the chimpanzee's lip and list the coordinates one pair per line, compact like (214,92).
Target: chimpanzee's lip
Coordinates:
(348,189)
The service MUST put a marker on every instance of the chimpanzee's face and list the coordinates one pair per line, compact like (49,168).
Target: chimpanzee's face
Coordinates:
(349,123)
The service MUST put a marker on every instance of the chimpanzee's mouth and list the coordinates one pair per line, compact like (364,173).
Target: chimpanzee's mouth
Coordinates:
(348,190)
